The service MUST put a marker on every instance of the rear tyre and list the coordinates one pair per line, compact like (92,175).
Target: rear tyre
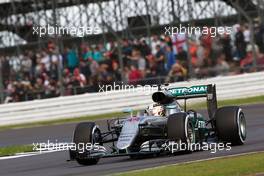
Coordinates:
(86,132)
(180,128)
(231,125)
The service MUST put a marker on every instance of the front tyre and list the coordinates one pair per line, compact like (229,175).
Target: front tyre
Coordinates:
(85,132)
(231,125)
(180,128)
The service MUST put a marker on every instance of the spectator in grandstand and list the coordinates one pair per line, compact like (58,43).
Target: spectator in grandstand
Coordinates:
(46,60)
(154,43)
(193,47)
(6,69)
(50,87)
(182,55)
(104,77)
(216,49)
(10,89)
(134,75)
(126,48)
(203,69)
(246,33)
(240,43)
(39,88)
(144,48)
(177,73)
(170,57)
(200,53)
(247,62)
(97,55)
(160,61)
(151,70)
(168,41)
(135,59)
(206,40)
(85,68)
(26,64)
(54,67)
(40,67)
(112,48)
(78,78)
(225,41)
(72,60)
(94,67)
(108,61)
(221,67)
(19,93)
(87,53)
(33,56)
(117,74)
(141,64)
(66,75)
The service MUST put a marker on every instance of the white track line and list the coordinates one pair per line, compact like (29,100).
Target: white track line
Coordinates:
(20,155)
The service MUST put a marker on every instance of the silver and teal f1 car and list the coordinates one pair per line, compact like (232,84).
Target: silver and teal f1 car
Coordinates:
(148,134)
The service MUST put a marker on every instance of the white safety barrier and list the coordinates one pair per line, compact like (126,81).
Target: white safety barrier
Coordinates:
(228,87)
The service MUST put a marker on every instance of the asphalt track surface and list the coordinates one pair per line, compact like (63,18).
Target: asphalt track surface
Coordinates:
(55,164)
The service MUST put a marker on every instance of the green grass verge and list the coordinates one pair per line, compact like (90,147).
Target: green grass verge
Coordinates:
(11,150)
(257,99)
(239,166)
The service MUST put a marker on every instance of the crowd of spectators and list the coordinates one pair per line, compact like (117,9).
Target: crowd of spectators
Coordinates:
(47,73)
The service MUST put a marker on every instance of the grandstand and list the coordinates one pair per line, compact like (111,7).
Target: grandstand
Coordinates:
(129,48)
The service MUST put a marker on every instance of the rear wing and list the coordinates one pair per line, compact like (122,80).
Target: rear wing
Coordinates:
(198,91)
(208,91)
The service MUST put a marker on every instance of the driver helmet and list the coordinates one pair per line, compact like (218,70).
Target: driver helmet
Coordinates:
(156,109)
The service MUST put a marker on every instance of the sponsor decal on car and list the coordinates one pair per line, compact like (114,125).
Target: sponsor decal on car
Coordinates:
(179,91)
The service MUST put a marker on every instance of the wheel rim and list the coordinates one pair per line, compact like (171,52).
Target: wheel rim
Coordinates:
(242,126)
(190,133)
